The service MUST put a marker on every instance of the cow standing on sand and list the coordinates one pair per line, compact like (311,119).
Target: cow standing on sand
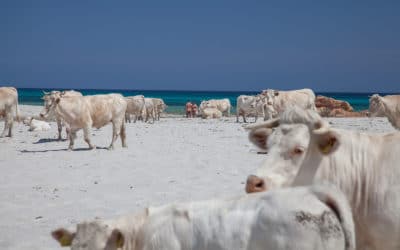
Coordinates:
(311,218)
(223,105)
(159,107)
(85,112)
(304,149)
(247,105)
(55,94)
(278,101)
(388,106)
(135,106)
(8,107)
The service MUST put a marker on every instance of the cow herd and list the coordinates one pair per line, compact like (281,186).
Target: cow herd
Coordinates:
(319,187)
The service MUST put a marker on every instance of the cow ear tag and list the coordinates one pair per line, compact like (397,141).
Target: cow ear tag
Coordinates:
(326,148)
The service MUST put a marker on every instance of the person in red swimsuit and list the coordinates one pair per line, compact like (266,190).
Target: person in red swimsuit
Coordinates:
(188,110)
(194,110)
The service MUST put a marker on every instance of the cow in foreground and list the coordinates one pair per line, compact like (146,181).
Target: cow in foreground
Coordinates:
(58,94)
(303,149)
(135,106)
(388,106)
(277,101)
(223,105)
(306,218)
(85,112)
(8,107)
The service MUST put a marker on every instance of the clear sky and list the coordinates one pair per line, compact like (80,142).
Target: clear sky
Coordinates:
(201,45)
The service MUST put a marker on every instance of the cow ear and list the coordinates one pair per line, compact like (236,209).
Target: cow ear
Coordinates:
(116,239)
(276,92)
(327,142)
(58,100)
(63,236)
(259,137)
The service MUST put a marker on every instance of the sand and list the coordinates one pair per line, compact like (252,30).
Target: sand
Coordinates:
(43,186)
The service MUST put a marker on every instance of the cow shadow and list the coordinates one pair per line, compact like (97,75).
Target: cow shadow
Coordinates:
(60,150)
(46,140)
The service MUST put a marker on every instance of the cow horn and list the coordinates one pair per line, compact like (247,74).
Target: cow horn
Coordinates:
(319,127)
(267,124)
(45,93)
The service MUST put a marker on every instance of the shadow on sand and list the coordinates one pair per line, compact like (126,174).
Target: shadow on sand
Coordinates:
(45,140)
(59,150)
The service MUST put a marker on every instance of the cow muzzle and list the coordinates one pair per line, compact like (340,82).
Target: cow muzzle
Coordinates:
(255,184)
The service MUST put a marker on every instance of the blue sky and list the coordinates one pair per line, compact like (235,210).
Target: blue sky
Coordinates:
(201,45)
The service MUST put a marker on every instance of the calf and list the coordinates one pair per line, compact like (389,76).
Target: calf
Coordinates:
(312,218)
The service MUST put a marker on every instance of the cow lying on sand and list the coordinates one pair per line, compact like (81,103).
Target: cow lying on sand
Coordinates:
(223,105)
(388,106)
(8,107)
(312,218)
(85,112)
(303,149)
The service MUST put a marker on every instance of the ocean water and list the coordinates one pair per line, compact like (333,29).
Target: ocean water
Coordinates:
(176,100)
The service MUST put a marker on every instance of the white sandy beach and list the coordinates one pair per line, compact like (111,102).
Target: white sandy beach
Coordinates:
(43,186)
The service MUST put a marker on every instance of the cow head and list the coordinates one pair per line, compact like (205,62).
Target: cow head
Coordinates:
(90,236)
(50,101)
(376,105)
(99,235)
(291,142)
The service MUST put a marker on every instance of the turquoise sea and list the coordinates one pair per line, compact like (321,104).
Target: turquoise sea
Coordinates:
(176,99)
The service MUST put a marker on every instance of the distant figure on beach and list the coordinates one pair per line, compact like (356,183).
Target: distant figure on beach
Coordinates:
(194,110)
(188,109)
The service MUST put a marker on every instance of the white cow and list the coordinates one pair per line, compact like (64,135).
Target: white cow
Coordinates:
(211,113)
(8,107)
(85,112)
(303,149)
(159,107)
(135,106)
(278,101)
(223,105)
(388,106)
(36,125)
(149,109)
(312,218)
(57,94)
(248,105)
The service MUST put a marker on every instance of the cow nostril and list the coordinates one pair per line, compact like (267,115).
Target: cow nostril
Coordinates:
(255,184)
(260,184)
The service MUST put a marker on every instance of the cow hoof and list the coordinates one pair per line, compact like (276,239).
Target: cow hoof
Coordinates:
(92,147)
(111,148)
(125,146)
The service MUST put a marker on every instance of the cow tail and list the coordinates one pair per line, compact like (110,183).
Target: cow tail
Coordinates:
(17,111)
(335,200)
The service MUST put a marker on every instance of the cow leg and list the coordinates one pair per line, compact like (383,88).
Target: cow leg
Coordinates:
(116,130)
(59,127)
(10,127)
(72,137)
(123,135)
(6,125)
(86,136)
(244,118)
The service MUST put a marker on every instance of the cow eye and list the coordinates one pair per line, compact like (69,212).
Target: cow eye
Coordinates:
(298,151)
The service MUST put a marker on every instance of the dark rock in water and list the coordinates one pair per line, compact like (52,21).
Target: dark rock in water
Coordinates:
(329,107)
